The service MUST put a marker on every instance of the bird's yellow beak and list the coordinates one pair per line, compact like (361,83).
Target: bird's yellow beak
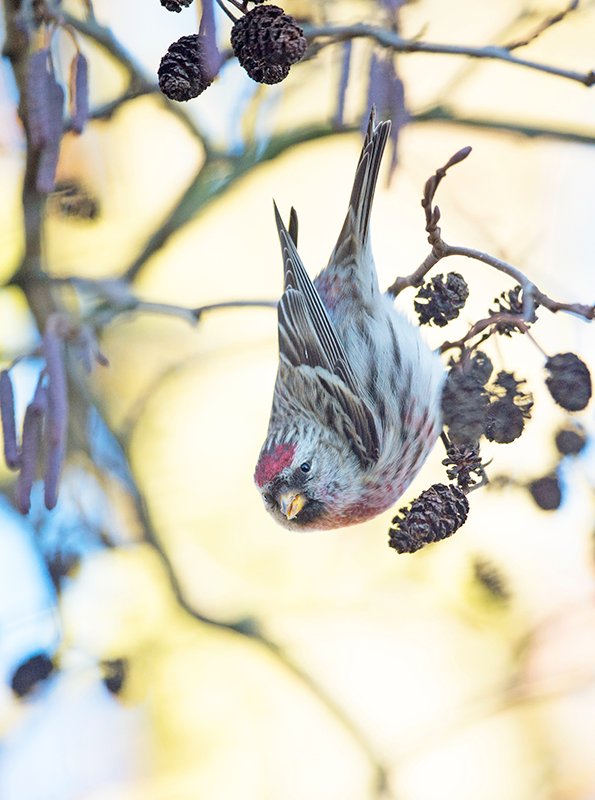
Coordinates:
(291,504)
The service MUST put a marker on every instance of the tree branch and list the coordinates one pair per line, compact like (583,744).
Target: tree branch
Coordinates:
(251,629)
(193,315)
(547,23)
(440,249)
(441,113)
(481,325)
(392,41)
(218,174)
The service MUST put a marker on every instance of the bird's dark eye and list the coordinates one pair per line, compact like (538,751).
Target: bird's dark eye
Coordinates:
(305,467)
(268,499)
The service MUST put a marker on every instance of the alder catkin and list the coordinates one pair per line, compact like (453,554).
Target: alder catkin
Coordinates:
(79,92)
(11,451)
(48,161)
(30,444)
(38,112)
(57,416)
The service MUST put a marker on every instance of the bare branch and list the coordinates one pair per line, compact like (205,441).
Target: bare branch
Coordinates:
(392,41)
(432,184)
(193,315)
(547,23)
(444,250)
(440,249)
(482,324)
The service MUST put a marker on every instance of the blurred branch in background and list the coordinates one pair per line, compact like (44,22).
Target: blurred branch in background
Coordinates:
(234,168)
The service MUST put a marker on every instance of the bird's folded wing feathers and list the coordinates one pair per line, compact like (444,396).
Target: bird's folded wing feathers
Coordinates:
(308,338)
(315,317)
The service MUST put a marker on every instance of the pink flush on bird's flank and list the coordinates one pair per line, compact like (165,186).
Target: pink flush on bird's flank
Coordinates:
(271,463)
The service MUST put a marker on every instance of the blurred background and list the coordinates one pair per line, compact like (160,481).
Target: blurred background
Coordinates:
(189,647)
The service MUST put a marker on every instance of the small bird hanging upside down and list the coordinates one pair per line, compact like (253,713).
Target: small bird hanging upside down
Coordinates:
(356,405)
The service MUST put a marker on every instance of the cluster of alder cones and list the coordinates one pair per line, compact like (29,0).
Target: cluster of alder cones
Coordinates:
(473,408)
(265,40)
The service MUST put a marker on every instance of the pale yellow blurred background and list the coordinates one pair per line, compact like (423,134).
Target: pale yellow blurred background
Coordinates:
(365,664)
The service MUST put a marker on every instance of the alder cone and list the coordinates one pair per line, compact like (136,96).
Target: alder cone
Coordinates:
(436,514)
(569,381)
(175,5)
(267,41)
(183,72)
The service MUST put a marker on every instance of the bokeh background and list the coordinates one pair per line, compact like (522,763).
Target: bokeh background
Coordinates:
(199,650)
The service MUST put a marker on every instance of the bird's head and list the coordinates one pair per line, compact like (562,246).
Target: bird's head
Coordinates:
(304,479)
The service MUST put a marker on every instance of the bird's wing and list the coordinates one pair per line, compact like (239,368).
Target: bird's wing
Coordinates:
(307,338)
(311,326)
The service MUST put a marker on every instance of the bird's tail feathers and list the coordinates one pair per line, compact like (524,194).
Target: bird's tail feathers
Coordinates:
(293,226)
(354,233)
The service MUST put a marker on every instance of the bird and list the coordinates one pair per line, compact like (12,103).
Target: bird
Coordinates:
(356,401)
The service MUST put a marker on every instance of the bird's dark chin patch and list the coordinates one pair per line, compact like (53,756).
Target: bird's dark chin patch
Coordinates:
(312,511)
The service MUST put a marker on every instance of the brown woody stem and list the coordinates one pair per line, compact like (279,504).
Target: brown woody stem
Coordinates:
(440,249)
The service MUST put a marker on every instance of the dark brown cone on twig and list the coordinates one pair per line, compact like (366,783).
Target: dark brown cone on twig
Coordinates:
(546,492)
(184,71)
(31,672)
(465,404)
(436,514)
(511,302)
(267,41)
(492,580)
(175,5)
(72,199)
(571,441)
(463,463)
(569,381)
(444,299)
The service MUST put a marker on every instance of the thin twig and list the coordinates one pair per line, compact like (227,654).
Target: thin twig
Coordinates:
(193,315)
(543,26)
(392,41)
(440,249)
(224,8)
(441,113)
(117,294)
(107,110)
(444,250)
(482,324)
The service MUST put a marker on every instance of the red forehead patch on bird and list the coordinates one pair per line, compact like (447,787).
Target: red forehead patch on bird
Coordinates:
(272,462)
